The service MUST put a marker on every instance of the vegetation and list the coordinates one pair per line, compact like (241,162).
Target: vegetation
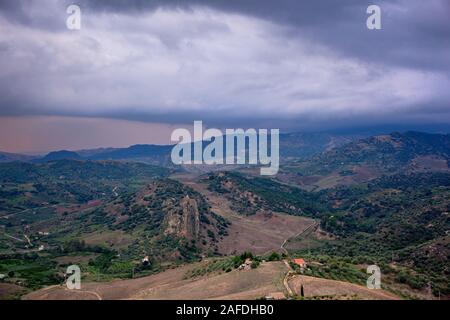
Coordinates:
(224,264)
(123,220)
(250,195)
(398,218)
(389,153)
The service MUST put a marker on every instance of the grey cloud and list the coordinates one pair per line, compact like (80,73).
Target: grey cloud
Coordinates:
(415,33)
(287,63)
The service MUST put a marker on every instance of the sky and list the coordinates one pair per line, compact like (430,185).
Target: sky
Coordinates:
(136,69)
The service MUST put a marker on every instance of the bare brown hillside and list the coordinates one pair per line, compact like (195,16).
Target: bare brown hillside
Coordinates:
(331,289)
(266,280)
(173,284)
(260,233)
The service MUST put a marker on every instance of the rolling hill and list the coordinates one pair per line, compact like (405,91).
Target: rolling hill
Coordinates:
(399,218)
(381,200)
(388,153)
(59,155)
(261,282)
(9,157)
(366,159)
(292,145)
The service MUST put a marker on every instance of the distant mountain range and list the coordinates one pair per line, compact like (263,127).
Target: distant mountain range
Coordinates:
(384,152)
(7,157)
(370,158)
(329,150)
(59,155)
(297,145)
(144,153)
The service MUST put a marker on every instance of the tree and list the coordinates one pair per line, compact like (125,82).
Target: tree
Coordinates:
(274,257)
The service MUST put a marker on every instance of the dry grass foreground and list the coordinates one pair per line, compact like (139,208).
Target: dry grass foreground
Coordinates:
(237,284)
(331,289)
(173,285)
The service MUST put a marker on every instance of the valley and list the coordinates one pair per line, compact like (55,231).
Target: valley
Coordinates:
(260,233)
(144,231)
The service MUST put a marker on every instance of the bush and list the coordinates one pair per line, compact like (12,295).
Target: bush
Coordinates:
(274,257)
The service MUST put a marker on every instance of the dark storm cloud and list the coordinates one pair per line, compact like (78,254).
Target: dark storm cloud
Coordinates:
(414,32)
(237,62)
(38,15)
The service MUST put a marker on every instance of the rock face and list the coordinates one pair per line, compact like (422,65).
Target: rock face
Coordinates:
(183,220)
(191,218)
(169,220)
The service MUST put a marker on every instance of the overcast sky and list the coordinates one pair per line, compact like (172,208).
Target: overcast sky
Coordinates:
(288,64)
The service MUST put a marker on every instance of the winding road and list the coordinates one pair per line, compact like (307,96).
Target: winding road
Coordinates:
(290,271)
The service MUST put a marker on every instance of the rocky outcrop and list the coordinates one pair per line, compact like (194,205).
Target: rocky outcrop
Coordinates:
(183,220)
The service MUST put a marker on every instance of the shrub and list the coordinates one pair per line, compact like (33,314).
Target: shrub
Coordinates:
(274,257)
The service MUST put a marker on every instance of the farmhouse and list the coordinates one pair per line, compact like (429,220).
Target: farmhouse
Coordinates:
(300,262)
(246,265)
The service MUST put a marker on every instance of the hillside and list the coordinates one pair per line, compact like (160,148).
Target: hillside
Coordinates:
(25,185)
(304,145)
(388,153)
(370,158)
(8,157)
(122,220)
(115,218)
(401,219)
(169,221)
(146,153)
(326,289)
(292,145)
(175,283)
(16,172)
(256,229)
(261,282)
(59,155)
(250,194)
